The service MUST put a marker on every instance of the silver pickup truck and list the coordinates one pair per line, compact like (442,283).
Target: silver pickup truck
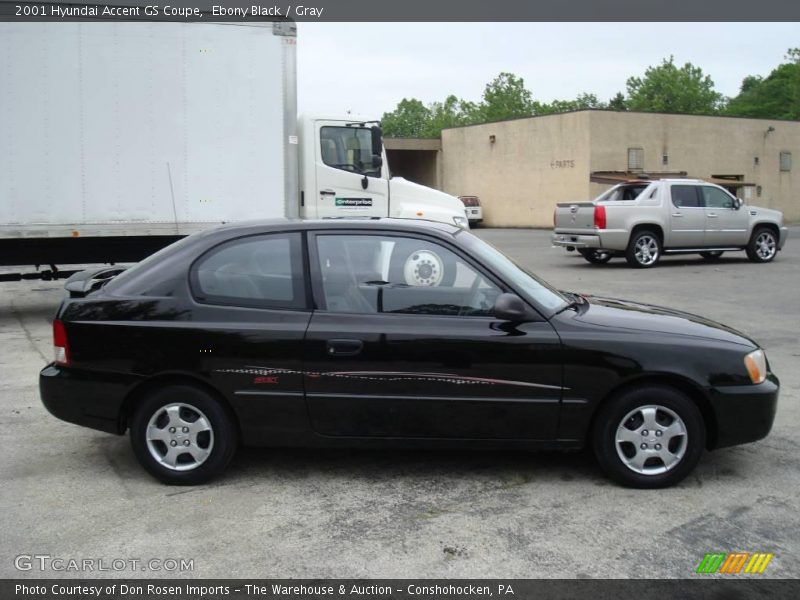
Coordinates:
(642,220)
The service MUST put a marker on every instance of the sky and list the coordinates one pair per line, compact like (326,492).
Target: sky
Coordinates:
(367,68)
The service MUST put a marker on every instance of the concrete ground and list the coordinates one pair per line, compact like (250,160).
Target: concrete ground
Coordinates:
(71,492)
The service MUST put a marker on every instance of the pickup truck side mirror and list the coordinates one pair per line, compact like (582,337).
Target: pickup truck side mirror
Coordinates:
(377,139)
(377,161)
(510,307)
(737,203)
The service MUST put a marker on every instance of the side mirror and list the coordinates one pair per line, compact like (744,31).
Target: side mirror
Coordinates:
(737,203)
(377,139)
(377,161)
(510,307)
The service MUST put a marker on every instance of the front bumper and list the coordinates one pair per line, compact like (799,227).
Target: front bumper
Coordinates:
(744,413)
(783,233)
(90,399)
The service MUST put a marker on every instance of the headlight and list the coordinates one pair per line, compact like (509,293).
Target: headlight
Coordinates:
(756,364)
(461,222)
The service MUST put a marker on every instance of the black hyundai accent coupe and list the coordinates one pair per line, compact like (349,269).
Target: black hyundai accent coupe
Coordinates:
(389,333)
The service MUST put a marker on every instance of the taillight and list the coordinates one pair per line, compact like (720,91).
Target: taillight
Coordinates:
(60,344)
(555,210)
(600,217)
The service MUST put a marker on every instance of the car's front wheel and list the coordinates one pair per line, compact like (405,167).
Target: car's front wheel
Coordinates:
(649,437)
(596,257)
(763,245)
(181,435)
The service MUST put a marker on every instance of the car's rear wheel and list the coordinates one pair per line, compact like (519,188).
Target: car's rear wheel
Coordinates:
(712,254)
(649,437)
(596,257)
(181,435)
(763,245)
(644,249)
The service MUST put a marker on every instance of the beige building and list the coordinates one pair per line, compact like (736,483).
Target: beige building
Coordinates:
(521,168)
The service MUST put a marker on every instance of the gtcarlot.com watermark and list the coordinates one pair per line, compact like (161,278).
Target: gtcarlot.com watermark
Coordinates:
(59,564)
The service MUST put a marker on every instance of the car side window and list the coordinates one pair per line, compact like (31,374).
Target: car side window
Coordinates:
(716,198)
(264,271)
(685,196)
(401,275)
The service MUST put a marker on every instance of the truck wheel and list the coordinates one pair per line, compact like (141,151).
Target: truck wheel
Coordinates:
(649,437)
(182,436)
(644,249)
(596,257)
(763,245)
(421,264)
(712,255)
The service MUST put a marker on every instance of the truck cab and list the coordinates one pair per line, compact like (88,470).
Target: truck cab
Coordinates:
(344,173)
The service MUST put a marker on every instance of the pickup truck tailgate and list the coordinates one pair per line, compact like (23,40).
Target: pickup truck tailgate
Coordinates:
(574,217)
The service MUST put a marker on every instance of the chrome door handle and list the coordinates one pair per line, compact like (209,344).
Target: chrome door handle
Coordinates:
(712,215)
(677,215)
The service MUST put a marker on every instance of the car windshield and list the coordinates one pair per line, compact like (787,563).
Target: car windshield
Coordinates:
(537,290)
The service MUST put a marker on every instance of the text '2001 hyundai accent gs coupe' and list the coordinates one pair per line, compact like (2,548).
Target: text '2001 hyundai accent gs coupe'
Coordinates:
(389,333)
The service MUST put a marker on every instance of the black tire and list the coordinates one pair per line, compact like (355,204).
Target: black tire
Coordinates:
(608,424)
(221,443)
(653,242)
(407,250)
(763,245)
(712,255)
(596,257)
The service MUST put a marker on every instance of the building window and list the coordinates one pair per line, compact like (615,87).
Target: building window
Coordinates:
(786,161)
(635,159)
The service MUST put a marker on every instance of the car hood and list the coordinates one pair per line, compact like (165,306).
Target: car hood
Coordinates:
(624,314)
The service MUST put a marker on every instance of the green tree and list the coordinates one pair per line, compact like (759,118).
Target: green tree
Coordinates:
(411,118)
(618,102)
(505,97)
(776,96)
(669,88)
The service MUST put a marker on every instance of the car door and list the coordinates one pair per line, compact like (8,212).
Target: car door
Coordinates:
(348,182)
(687,217)
(250,316)
(388,359)
(726,225)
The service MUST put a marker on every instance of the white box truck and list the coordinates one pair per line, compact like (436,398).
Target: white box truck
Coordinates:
(117,138)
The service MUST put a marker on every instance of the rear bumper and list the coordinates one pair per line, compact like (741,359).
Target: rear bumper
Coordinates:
(569,240)
(744,413)
(88,399)
(605,239)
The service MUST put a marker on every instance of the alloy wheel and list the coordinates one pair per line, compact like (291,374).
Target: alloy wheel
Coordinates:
(765,245)
(179,437)
(651,439)
(646,250)
(423,268)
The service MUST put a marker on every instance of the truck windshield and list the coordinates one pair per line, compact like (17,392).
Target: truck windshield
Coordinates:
(525,282)
(349,149)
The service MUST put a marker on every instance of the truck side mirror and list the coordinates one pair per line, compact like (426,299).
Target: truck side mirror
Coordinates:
(377,161)
(737,203)
(377,139)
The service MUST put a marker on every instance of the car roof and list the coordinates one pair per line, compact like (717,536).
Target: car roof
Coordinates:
(381,223)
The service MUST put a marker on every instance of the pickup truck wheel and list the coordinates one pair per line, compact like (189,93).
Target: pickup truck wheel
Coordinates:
(644,249)
(763,245)
(712,255)
(596,257)
(649,437)
(182,436)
